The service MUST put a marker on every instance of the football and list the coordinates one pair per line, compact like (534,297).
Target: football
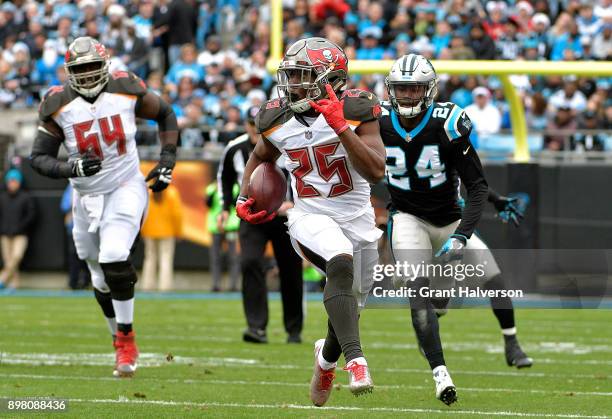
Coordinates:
(268,187)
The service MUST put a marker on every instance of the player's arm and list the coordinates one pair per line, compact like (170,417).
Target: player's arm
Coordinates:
(43,158)
(366,150)
(468,165)
(264,152)
(364,146)
(226,178)
(152,107)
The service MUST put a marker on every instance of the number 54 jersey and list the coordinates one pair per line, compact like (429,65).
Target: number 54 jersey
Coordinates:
(323,178)
(106,127)
(422,164)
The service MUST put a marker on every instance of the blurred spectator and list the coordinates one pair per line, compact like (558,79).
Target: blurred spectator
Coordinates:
(213,54)
(181,20)
(484,115)
(567,45)
(17,214)
(79,276)
(223,229)
(590,140)
(442,37)
(186,66)
(560,129)
(481,43)
(569,96)
(588,23)
(602,43)
(369,49)
(508,43)
(135,50)
(536,115)
(163,225)
(45,70)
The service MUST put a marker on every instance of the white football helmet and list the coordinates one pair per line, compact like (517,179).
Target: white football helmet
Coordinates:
(412,85)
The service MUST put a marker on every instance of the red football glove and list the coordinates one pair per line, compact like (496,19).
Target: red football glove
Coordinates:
(333,110)
(245,211)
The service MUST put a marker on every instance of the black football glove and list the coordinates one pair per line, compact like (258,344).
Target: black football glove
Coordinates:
(162,173)
(509,209)
(88,165)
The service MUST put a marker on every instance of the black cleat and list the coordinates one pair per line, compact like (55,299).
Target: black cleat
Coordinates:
(294,338)
(255,336)
(515,357)
(449,396)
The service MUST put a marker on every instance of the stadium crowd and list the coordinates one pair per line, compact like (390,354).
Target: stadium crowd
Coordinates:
(208,58)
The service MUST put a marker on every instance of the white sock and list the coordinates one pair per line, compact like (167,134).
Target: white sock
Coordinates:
(509,332)
(440,368)
(361,361)
(112,325)
(324,363)
(124,311)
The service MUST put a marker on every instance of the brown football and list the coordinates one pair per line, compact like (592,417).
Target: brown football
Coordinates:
(268,187)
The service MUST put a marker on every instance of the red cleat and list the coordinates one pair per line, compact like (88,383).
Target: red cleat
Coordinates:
(126,355)
(322,381)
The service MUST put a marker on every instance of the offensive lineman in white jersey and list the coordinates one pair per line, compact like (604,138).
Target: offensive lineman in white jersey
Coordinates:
(334,152)
(94,116)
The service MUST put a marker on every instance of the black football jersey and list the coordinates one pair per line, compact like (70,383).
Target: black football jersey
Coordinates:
(425,165)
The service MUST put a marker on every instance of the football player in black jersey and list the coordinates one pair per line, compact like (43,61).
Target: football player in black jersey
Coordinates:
(428,153)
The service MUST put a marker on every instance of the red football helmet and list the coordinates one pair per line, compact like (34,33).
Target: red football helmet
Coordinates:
(308,65)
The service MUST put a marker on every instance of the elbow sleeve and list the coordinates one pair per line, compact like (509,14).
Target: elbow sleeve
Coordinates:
(44,156)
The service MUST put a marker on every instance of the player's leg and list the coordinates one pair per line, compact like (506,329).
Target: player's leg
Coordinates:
(291,283)
(478,252)
(323,239)
(253,241)
(119,227)
(149,264)
(411,243)
(215,260)
(87,248)
(234,260)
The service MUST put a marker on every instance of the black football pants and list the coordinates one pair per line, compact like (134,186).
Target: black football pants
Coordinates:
(253,239)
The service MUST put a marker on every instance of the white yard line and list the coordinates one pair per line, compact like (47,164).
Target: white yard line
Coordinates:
(333,408)
(294,384)
(158,359)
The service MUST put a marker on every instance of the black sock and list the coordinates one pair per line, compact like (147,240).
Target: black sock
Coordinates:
(341,305)
(425,323)
(331,350)
(502,306)
(124,328)
(106,303)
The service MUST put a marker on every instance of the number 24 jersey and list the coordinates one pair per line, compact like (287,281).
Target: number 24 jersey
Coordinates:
(424,164)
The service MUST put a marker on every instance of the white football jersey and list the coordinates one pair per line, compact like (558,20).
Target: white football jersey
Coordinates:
(106,127)
(324,180)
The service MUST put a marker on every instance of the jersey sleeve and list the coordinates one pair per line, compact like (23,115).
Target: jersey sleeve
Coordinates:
(360,106)
(457,124)
(126,82)
(271,116)
(52,102)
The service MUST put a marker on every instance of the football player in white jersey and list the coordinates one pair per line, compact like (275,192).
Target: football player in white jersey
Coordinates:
(333,151)
(94,116)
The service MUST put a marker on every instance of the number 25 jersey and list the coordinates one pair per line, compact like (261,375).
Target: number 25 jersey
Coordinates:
(323,178)
(423,165)
(106,127)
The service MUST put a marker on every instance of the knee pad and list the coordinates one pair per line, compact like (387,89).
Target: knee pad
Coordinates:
(121,278)
(339,271)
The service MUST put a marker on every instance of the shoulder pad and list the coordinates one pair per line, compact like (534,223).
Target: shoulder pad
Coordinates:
(55,98)
(272,114)
(126,82)
(360,105)
(457,123)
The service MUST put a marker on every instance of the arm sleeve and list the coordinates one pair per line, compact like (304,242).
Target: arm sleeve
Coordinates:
(226,178)
(44,156)
(470,171)
(493,195)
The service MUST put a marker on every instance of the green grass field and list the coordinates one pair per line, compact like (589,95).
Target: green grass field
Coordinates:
(194,364)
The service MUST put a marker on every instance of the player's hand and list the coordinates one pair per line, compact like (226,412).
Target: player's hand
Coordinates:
(88,165)
(508,210)
(452,249)
(244,209)
(162,173)
(332,109)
